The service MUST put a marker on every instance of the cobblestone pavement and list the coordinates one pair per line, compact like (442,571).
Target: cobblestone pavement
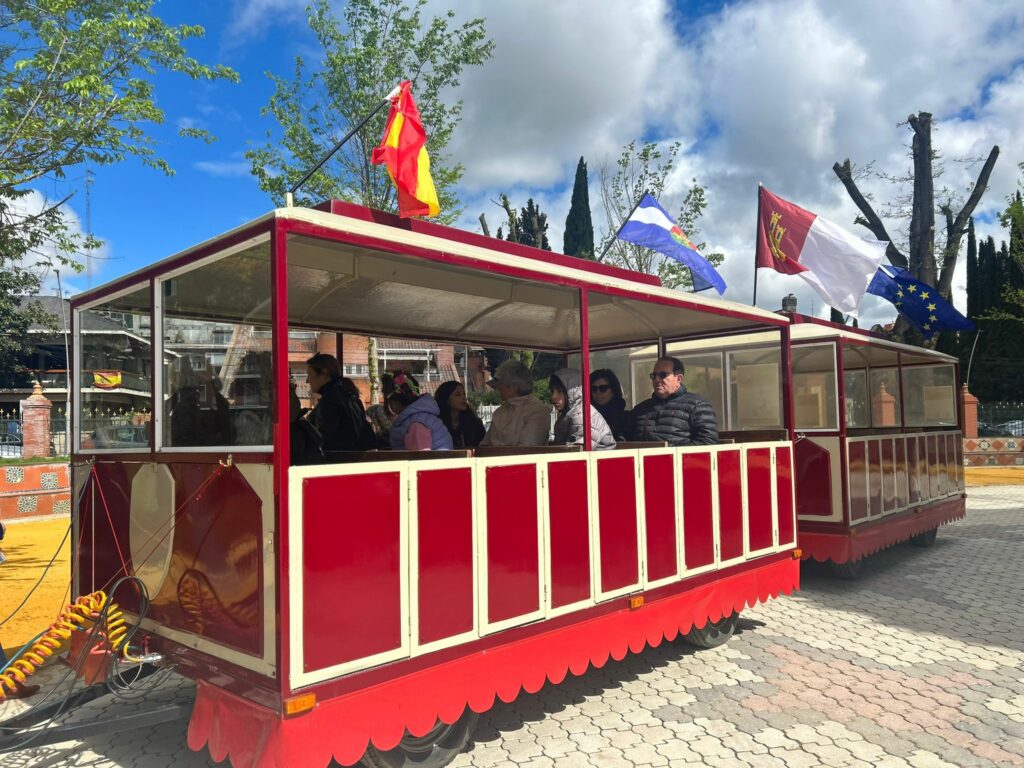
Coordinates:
(920,663)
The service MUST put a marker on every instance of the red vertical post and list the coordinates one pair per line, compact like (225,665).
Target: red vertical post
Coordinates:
(585,365)
(282,440)
(156,366)
(844,465)
(787,382)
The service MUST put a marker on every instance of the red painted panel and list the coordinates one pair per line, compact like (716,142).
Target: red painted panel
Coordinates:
(352,557)
(959,454)
(814,479)
(759,498)
(660,516)
(922,467)
(857,467)
(888,475)
(933,465)
(569,524)
(444,546)
(784,495)
(730,504)
(698,516)
(617,520)
(913,475)
(513,567)
(875,477)
(902,477)
(101,537)
(951,462)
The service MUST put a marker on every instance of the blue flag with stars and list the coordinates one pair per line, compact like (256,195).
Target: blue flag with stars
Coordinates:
(918,302)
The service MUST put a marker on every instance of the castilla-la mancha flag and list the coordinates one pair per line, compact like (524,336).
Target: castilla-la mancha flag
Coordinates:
(835,263)
(403,152)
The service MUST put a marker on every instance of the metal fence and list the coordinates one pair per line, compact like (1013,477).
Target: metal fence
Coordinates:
(10,435)
(1001,419)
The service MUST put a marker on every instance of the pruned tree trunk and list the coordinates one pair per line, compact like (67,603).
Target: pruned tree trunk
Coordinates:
(921,259)
(483,224)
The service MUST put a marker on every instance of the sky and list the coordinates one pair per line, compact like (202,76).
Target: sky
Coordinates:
(755,90)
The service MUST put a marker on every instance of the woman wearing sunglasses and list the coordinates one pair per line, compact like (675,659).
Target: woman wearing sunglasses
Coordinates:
(567,398)
(606,396)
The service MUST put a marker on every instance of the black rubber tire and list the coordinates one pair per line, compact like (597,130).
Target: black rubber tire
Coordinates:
(851,570)
(714,633)
(926,539)
(435,749)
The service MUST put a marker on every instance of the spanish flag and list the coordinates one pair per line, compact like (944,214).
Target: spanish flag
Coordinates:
(402,151)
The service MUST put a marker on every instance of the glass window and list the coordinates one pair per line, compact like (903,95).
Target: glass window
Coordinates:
(631,371)
(814,387)
(116,374)
(755,389)
(704,377)
(930,394)
(855,384)
(217,366)
(885,397)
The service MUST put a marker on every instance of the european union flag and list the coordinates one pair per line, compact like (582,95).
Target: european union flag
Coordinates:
(918,302)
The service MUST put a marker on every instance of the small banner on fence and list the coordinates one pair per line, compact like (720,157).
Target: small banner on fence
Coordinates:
(106,379)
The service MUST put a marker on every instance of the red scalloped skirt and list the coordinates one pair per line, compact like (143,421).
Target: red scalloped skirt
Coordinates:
(867,538)
(256,737)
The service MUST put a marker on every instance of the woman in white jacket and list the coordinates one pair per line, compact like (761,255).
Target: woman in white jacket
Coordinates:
(567,397)
(521,419)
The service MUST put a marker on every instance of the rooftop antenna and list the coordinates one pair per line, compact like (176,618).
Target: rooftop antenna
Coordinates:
(88,224)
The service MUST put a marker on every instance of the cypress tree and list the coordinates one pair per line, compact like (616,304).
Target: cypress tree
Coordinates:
(578,239)
(533,227)
(972,271)
(987,275)
(1015,263)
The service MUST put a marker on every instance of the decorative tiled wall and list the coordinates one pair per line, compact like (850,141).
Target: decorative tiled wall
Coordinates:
(994,452)
(34,490)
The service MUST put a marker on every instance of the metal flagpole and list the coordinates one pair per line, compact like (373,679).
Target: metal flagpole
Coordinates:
(289,198)
(757,235)
(628,216)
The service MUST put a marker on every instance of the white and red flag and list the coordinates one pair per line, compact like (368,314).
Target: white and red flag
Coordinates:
(835,263)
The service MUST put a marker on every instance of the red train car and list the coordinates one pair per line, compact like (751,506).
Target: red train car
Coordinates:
(368,608)
(876,430)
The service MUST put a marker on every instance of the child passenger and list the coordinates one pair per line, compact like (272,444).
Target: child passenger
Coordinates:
(465,427)
(417,425)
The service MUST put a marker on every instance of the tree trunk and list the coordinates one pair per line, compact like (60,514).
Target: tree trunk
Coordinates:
(922,220)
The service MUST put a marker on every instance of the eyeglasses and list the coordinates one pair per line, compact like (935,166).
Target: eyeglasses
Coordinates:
(601,388)
(661,375)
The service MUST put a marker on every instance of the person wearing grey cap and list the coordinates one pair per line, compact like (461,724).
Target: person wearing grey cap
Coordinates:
(521,419)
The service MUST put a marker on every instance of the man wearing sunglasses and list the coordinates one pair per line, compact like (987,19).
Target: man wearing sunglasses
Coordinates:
(672,414)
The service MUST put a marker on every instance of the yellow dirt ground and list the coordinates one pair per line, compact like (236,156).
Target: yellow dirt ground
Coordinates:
(29,547)
(994,475)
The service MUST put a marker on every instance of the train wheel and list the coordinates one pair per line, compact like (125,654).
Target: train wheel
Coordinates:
(714,633)
(851,570)
(926,539)
(434,749)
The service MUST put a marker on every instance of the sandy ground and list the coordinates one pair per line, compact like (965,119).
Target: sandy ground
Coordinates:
(994,475)
(29,547)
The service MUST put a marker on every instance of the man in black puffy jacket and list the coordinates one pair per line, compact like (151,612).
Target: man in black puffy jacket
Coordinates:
(674,415)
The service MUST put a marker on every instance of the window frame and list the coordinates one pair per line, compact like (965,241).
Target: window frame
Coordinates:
(727,383)
(838,412)
(158,348)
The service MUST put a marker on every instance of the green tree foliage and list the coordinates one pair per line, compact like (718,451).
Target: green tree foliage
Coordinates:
(578,238)
(533,227)
(641,169)
(366,52)
(75,88)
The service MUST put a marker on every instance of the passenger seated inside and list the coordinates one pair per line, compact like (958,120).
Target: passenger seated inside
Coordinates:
(465,427)
(417,425)
(606,396)
(521,419)
(567,398)
(672,414)
(199,413)
(338,416)
(251,392)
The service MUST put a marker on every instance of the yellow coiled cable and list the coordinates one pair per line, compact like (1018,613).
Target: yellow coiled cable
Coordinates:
(79,616)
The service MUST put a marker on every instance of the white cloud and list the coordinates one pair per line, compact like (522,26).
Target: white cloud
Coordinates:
(225,168)
(252,19)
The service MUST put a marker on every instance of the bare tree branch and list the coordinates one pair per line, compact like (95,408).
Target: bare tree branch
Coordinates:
(870,220)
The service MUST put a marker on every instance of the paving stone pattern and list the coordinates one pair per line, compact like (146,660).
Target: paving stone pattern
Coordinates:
(920,663)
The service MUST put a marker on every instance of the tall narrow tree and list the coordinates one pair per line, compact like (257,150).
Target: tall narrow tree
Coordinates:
(578,239)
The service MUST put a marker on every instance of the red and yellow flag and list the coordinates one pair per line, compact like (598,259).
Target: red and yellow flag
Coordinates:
(403,152)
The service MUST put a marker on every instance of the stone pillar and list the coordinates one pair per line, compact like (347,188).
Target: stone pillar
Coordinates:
(969,413)
(35,424)
(883,408)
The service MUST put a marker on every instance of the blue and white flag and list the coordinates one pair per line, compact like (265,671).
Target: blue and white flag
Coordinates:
(650,226)
(918,302)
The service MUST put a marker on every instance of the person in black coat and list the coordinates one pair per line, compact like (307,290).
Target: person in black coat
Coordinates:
(606,397)
(338,416)
(465,427)
(672,414)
